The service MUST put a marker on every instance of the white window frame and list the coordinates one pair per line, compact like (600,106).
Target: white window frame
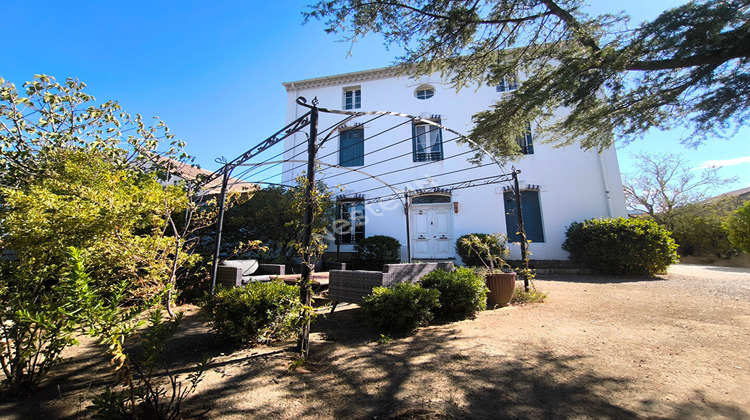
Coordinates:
(353,93)
(423,152)
(508,83)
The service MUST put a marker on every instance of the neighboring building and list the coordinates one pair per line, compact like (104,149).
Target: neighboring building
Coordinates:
(742,193)
(181,171)
(559,185)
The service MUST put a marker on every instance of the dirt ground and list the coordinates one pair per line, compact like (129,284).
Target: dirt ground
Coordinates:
(674,347)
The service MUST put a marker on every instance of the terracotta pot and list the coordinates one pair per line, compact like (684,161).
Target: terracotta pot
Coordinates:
(502,286)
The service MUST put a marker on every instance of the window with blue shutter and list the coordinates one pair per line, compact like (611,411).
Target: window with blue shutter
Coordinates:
(526,142)
(532,216)
(508,83)
(427,142)
(352,147)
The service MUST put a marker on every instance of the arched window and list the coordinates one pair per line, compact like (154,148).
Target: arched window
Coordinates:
(431,199)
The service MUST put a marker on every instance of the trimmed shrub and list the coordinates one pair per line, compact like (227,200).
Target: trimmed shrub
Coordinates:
(494,244)
(621,246)
(257,312)
(374,251)
(462,293)
(521,296)
(401,308)
(737,226)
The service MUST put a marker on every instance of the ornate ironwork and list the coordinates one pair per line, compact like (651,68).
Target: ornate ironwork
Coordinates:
(275,138)
(447,187)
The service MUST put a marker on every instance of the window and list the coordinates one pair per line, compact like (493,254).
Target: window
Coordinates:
(508,83)
(352,147)
(350,226)
(526,142)
(431,199)
(532,216)
(427,142)
(424,92)
(352,98)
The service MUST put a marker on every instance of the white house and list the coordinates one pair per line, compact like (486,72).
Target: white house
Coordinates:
(448,196)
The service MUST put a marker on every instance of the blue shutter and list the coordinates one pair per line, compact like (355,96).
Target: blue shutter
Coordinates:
(439,146)
(352,148)
(532,216)
(414,141)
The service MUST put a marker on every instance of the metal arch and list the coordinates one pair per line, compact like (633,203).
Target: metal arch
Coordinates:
(395,191)
(275,138)
(303,102)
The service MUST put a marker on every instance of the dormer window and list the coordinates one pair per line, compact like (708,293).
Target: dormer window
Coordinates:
(352,97)
(424,92)
(508,83)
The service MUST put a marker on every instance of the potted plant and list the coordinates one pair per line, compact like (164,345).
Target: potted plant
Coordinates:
(500,280)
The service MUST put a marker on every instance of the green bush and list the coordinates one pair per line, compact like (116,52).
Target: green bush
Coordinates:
(621,246)
(697,228)
(521,296)
(462,293)
(737,226)
(258,312)
(494,249)
(374,251)
(401,308)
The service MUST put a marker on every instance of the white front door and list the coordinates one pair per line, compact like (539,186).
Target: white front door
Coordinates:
(431,231)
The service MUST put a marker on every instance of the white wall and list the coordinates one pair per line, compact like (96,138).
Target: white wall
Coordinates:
(572,187)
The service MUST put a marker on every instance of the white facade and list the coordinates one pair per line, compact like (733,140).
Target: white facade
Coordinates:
(570,184)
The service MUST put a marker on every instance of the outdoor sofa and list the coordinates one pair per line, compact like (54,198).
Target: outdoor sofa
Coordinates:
(232,273)
(352,286)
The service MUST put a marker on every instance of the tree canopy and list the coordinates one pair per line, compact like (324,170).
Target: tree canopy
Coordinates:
(78,181)
(663,183)
(48,116)
(689,66)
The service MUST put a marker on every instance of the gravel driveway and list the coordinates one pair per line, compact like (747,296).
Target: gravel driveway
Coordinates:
(674,347)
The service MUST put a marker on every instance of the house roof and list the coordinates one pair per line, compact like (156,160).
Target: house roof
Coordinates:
(189,172)
(743,193)
(338,79)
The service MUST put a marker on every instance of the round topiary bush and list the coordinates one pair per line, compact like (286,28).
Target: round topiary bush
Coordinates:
(374,251)
(257,312)
(621,246)
(494,243)
(462,293)
(401,308)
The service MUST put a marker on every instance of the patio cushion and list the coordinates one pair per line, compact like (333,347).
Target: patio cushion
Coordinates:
(248,267)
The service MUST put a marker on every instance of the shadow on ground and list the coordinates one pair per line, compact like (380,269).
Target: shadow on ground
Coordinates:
(599,279)
(429,375)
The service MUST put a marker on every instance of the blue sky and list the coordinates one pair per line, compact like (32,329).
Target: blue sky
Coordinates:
(213,70)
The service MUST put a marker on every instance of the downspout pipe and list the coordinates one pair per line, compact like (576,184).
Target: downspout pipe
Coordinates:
(607,195)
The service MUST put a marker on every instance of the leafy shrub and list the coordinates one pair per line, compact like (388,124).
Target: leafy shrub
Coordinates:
(145,393)
(462,293)
(374,251)
(38,326)
(492,248)
(521,296)
(697,228)
(620,246)
(258,312)
(401,308)
(737,226)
